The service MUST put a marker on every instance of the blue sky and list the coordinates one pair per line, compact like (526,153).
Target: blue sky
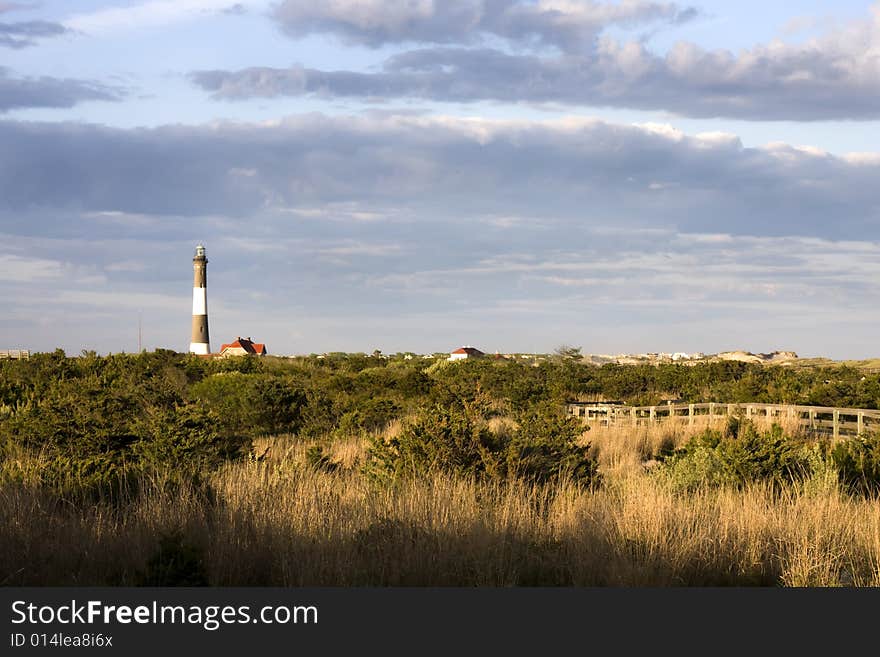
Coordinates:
(414,175)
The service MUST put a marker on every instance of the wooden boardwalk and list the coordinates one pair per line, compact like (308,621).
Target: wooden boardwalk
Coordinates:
(836,422)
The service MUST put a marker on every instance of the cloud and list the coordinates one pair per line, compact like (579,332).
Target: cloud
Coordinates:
(563,24)
(20,269)
(835,76)
(361,169)
(24,34)
(155,13)
(18,93)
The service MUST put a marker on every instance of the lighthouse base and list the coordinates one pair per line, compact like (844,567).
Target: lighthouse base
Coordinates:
(199,348)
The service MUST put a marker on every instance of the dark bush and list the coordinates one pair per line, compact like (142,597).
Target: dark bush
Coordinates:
(455,439)
(175,563)
(253,404)
(371,415)
(189,437)
(439,438)
(857,461)
(545,446)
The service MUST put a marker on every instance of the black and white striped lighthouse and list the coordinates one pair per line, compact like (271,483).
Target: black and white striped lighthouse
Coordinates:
(199,343)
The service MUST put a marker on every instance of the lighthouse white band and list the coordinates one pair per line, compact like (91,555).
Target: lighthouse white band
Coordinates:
(200,301)
(198,348)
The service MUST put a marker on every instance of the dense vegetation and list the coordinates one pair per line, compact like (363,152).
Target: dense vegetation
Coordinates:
(145,446)
(91,418)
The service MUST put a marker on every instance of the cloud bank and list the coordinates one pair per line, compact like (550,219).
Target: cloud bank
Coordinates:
(45,91)
(565,24)
(835,76)
(24,34)
(579,170)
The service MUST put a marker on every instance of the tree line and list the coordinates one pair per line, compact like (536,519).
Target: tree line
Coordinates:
(94,418)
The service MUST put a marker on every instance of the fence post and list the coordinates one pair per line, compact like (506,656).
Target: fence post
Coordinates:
(836,424)
(812,419)
(861,423)
(690,414)
(653,414)
(730,409)
(635,419)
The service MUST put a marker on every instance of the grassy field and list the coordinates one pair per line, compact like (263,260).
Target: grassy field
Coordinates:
(283,522)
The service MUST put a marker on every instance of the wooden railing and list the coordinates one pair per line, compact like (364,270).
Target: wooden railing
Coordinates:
(819,419)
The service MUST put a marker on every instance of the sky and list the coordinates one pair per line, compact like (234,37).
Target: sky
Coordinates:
(416,175)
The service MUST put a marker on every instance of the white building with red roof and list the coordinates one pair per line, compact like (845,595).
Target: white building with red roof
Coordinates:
(243,347)
(465,353)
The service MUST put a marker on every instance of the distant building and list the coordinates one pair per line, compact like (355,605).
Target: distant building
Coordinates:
(465,353)
(242,347)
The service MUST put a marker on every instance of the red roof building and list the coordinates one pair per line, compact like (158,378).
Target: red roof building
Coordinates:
(465,353)
(243,347)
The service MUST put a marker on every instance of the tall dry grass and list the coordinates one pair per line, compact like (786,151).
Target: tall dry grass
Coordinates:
(279,522)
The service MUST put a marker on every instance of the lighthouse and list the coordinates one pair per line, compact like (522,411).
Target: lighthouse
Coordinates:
(199,342)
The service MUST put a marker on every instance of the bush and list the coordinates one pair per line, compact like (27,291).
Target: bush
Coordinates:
(736,456)
(858,464)
(189,437)
(371,415)
(253,404)
(440,438)
(545,447)
(455,439)
(175,563)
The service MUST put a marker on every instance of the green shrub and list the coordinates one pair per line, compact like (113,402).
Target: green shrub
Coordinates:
(858,464)
(84,473)
(253,404)
(454,439)
(175,563)
(187,437)
(440,438)
(371,415)
(545,447)
(739,455)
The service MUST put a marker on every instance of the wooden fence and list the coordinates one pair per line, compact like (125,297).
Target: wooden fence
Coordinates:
(836,422)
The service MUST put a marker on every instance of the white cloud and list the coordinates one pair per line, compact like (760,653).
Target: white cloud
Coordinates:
(16,268)
(155,13)
(833,76)
(562,24)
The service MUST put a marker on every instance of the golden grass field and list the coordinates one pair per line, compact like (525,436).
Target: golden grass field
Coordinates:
(280,522)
